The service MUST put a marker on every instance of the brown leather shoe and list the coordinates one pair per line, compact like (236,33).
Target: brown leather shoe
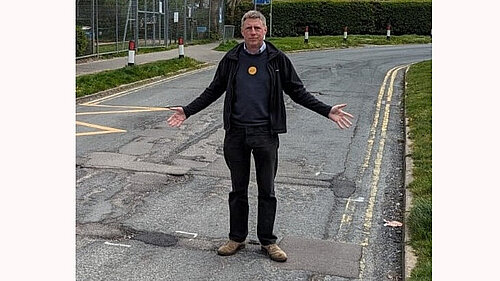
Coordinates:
(275,253)
(230,248)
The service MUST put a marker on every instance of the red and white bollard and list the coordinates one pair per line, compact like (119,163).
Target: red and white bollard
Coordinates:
(131,52)
(181,47)
(388,32)
(345,33)
(306,35)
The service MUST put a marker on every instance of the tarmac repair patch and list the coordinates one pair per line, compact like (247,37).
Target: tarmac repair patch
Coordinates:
(157,239)
(322,256)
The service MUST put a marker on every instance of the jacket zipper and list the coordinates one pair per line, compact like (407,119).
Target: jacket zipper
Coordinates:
(271,103)
(230,105)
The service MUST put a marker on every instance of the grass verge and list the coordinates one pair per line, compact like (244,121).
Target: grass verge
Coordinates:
(419,112)
(93,83)
(287,44)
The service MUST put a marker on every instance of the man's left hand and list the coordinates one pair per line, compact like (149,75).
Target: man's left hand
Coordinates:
(340,117)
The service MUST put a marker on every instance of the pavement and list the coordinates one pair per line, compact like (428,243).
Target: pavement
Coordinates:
(204,53)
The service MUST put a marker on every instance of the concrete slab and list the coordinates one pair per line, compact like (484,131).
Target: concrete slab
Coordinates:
(127,162)
(321,256)
(157,168)
(108,159)
(190,163)
(137,148)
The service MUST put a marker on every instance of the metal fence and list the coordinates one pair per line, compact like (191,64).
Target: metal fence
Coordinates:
(110,24)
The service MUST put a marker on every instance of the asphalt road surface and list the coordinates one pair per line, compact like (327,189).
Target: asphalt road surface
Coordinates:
(152,200)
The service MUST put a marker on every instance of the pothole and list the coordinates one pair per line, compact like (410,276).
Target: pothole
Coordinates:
(343,188)
(156,238)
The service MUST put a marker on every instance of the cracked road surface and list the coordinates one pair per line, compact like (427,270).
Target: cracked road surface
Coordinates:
(152,200)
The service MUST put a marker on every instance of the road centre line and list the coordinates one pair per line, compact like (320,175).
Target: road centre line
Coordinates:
(121,106)
(145,109)
(367,226)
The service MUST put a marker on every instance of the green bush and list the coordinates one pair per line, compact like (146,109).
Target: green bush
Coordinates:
(330,17)
(81,41)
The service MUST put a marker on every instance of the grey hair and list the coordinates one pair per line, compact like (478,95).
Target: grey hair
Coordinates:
(253,14)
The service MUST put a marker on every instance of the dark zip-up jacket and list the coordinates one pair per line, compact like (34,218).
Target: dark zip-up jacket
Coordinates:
(284,78)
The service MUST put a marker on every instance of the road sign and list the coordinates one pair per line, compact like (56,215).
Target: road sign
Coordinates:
(262,2)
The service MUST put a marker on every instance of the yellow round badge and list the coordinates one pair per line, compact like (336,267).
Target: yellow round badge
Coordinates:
(252,70)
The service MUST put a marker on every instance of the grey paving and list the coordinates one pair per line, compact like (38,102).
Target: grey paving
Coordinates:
(128,162)
(202,53)
(321,256)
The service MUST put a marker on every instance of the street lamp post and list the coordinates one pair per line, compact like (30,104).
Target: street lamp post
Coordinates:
(271,20)
(264,2)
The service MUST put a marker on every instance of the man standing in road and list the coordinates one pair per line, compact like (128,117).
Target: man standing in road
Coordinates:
(254,75)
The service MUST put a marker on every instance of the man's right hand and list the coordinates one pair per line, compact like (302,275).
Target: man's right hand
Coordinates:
(177,118)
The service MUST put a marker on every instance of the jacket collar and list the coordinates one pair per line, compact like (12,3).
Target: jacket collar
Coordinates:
(261,49)
(270,48)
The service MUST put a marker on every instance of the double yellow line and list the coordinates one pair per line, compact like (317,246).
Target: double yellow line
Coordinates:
(378,158)
(347,217)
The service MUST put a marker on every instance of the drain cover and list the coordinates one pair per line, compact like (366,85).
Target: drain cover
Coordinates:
(157,239)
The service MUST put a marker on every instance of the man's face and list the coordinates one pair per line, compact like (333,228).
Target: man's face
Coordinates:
(253,32)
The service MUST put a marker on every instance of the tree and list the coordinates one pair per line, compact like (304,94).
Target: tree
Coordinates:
(231,7)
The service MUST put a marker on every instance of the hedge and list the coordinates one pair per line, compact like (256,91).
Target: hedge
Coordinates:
(330,18)
(81,41)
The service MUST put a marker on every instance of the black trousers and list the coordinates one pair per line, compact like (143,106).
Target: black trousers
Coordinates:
(239,143)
